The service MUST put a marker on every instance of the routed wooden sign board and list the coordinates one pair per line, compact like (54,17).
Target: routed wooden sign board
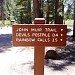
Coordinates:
(39,36)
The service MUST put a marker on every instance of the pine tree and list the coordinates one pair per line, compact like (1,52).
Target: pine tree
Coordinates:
(1,10)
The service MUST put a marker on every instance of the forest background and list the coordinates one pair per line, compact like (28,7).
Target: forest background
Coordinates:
(22,11)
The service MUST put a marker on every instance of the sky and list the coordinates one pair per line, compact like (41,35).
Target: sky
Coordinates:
(66,4)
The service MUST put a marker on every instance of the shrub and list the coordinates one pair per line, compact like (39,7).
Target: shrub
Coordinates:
(7,23)
(0,23)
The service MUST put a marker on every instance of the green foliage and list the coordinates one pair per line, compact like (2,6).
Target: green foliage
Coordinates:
(53,9)
(19,10)
(23,11)
(0,23)
(7,23)
(9,9)
(69,22)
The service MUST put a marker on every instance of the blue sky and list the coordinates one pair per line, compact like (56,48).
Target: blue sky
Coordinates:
(66,5)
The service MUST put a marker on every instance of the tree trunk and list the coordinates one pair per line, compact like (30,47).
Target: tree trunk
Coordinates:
(74,22)
(38,8)
(47,15)
(29,9)
(21,17)
(58,17)
(1,10)
(56,12)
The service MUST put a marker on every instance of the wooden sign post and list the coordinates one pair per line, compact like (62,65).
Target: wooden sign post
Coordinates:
(39,55)
(39,35)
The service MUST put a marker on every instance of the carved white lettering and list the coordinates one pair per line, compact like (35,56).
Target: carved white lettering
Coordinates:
(25,39)
(50,30)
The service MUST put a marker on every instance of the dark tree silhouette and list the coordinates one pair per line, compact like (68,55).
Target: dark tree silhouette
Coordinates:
(1,10)
(58,17)
(74,22)
(38,8)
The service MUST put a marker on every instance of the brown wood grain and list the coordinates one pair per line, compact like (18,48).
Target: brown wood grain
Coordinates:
(39,60)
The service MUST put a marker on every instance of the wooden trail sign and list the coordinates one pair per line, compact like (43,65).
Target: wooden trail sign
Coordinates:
(39,36)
